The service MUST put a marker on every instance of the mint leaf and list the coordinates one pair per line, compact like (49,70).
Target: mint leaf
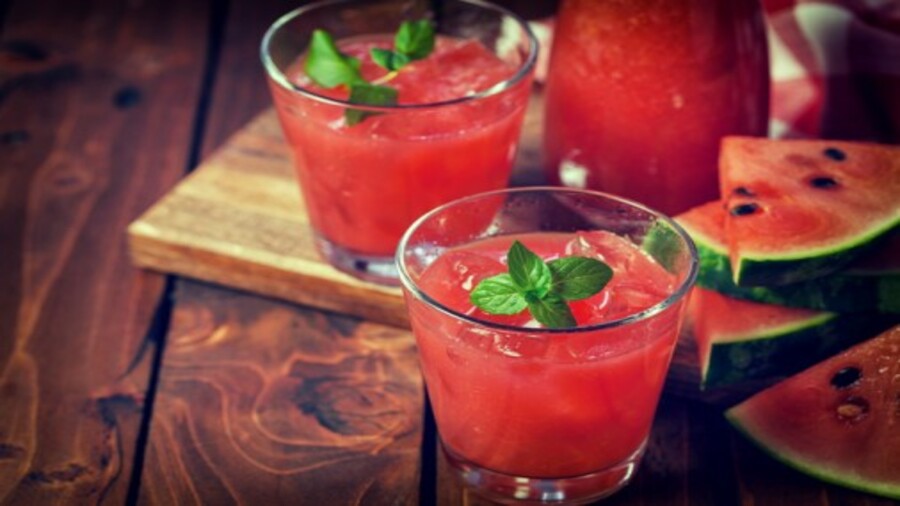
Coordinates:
(528,271)
(327,66)
(552,311)
(544,288)
(415,39)
(388,59)
(498,295)
(576,278)
(368,94)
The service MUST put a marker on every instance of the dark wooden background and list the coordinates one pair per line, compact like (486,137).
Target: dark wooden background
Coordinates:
(119,386)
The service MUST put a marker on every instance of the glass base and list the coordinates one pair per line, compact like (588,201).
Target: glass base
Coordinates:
(374,269)
(509,489)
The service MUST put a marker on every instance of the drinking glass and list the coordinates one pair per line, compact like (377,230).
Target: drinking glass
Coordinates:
(363,184)
(640,92)
(532,413)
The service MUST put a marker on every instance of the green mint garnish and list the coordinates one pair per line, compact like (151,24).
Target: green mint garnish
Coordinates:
(499,295)
(369,94)
(528,272)
(388,59)
(552,311)
(576,278)
(543,288)
(328,67)
(414,41)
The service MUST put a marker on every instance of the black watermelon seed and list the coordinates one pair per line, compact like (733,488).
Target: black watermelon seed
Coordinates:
(744,209)
(743,191)
(823,182)
(846,378)
(835,154)
(129,96)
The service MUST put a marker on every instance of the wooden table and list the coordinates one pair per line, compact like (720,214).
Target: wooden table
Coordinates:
(124,386)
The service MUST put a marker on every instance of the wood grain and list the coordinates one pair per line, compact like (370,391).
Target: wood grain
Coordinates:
(262,402)
(266,403)
(84,88)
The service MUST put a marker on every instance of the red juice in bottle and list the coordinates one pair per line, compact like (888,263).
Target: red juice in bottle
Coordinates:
(640,92)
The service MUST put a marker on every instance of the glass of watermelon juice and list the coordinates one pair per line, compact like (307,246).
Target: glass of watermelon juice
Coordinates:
(453,131)
(640,92)
(533,413)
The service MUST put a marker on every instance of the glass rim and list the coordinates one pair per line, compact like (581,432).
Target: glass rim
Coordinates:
(680,292)
(281,80)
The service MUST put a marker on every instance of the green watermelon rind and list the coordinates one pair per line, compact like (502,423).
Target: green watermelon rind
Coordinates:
(802,265)
(785,349)
(665,245)
(850,291)
(797,462)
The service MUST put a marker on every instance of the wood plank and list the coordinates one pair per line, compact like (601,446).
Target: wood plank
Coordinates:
(262,402)
(84,88)
(266,403)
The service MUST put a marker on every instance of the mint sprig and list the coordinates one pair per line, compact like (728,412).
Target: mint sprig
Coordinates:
(413,41)
(365,93)
(329,68)
(543,288)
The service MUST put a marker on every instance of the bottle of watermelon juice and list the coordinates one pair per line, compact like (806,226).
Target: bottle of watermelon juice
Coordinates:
(531,410)
(639,93)
(367,168)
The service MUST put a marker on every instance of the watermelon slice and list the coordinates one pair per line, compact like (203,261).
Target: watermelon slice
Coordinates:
(738,340)
(838,421)
(799,209)
(870,283)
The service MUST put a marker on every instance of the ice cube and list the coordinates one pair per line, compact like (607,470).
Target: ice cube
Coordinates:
(453,276)
(520,345)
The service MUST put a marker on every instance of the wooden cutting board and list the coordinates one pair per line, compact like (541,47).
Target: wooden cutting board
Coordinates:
(239,220)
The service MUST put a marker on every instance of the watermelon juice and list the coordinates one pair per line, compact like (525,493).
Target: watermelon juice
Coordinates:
(453,132)
(562,409)
(640,92)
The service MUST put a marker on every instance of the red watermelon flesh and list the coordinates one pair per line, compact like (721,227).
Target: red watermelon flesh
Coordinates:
(799,209)
(739,340)
(869,283)
(838,420)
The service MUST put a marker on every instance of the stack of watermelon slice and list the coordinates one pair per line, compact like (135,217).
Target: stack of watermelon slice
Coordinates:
(800,259)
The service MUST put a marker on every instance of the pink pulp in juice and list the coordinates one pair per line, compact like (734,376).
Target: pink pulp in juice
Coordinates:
(640,92)
(364,184)
(546,404)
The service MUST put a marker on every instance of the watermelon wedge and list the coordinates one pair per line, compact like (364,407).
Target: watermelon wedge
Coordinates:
(838,421)
(799,209)
(870,283)
(739,341)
